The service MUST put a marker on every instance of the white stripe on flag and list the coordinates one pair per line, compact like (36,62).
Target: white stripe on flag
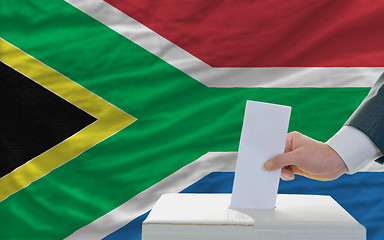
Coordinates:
(225,77)
(144,201)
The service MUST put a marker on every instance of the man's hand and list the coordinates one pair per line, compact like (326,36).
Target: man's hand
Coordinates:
(308,157)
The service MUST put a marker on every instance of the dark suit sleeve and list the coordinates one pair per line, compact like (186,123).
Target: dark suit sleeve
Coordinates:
(369,116)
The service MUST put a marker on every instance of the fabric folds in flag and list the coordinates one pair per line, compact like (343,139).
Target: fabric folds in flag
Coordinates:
(108,104)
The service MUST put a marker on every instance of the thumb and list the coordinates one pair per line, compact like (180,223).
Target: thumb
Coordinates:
(282,160)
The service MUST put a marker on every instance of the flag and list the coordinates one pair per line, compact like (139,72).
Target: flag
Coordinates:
(144,98)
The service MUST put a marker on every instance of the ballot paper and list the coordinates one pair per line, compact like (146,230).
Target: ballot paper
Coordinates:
(263,136)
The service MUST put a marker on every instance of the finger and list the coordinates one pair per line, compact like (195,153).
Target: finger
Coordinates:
(291,138)
(287,174)
(289,141)
(282,160)
(288,144)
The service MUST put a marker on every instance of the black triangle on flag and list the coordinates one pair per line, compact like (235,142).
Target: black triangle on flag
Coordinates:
(33,119)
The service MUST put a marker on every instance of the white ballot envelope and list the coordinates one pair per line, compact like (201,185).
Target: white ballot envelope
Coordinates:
(263,136)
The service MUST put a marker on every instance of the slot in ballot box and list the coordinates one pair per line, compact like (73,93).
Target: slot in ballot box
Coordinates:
(208,217)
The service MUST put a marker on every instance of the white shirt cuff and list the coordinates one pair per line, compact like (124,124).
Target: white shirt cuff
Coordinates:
(354,147)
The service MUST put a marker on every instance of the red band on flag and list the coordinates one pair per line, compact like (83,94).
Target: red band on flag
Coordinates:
(271,33)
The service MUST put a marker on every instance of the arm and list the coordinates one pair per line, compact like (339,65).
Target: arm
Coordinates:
(369,116)
(363,139)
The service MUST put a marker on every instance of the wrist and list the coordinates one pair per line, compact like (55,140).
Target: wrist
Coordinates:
(339,165)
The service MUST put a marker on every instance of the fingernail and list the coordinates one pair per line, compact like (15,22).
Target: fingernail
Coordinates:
(268,165)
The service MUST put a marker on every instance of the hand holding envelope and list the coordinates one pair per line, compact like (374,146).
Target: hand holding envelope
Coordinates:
(308,157)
